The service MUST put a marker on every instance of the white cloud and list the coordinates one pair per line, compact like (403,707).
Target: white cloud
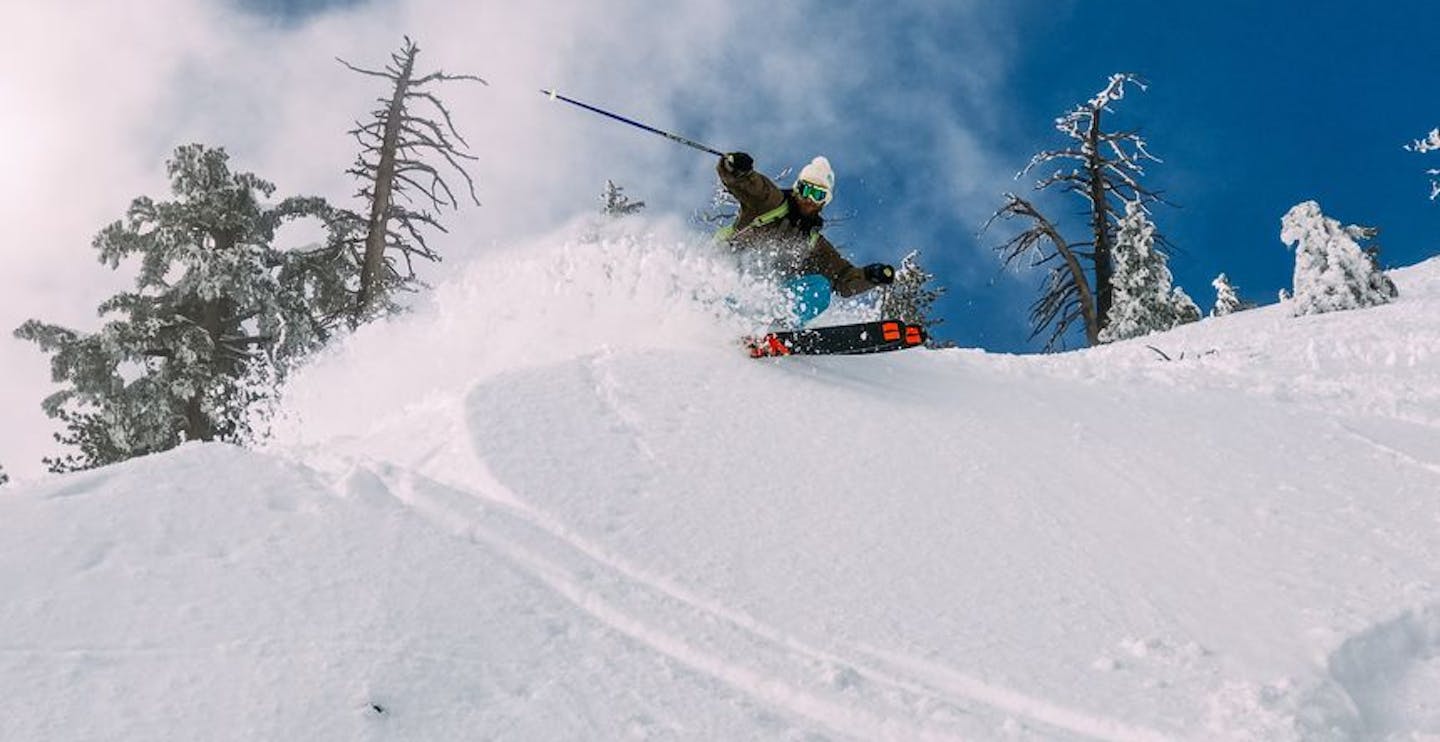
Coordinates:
(99,92)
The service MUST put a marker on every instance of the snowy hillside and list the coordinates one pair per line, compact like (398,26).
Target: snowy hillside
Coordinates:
(558,503)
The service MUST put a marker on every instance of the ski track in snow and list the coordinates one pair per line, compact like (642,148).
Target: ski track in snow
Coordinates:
(1390,450)
(872,698)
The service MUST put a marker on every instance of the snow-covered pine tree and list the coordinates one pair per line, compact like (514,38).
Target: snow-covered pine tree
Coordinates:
(1227,298)
(1104,168)
(391,170)
(1145,301)
(180,356)
(1332,271)
(910,297)
(4,478)
(1430,143)
(614,202)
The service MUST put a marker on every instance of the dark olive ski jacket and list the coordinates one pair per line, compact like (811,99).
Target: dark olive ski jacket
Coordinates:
(769,221)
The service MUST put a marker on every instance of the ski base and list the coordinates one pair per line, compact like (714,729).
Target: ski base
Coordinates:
(864,337)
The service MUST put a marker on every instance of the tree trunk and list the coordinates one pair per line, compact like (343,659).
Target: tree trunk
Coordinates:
(198,425)
(1100,225)
(1072,263)
(370,270)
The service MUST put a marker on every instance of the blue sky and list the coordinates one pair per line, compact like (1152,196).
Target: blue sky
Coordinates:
(1256,107)
(1253,106)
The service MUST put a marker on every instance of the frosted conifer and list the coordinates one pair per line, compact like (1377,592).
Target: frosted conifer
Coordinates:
(209,310)
(1430,143)
(1145,301)
(614,202)
(1227,299)
(910,297)
(1332,271)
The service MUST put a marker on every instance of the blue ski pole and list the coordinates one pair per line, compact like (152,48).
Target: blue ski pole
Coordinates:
(672,137)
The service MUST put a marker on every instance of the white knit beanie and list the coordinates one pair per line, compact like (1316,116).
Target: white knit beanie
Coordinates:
(819,173)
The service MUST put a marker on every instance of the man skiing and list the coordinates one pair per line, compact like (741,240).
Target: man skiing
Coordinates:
(785,225)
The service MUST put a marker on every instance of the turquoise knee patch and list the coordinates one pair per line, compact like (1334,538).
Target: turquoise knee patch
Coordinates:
(809,296)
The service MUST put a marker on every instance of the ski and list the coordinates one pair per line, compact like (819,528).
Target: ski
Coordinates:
(864,337)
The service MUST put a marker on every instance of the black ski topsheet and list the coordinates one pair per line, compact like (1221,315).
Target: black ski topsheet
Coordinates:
(865,337)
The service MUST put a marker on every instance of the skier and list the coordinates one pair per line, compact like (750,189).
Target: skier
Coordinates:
(786,225)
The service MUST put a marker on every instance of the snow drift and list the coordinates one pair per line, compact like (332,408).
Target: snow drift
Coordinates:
(557,502)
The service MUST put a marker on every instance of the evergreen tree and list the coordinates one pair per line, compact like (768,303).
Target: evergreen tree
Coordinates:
(1430,143)
(910,298)
(614,202)
(1332,271)
(195,350)
(1104,169)
(4,478)
(391,171)
(327,276)
(1227,298)
(1144,300)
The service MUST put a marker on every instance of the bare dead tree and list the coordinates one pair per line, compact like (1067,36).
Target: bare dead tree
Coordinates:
(1104,168)
(1067,295)
(392,169)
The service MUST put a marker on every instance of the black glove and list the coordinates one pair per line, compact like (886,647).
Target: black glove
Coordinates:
(739,163)
(879,273)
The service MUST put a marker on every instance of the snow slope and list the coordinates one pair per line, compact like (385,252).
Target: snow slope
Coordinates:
(557,503)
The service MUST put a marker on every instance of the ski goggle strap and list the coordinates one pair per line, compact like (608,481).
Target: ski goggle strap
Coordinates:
(807,190)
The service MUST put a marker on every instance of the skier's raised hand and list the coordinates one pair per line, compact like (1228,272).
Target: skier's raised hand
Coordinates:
(739,163)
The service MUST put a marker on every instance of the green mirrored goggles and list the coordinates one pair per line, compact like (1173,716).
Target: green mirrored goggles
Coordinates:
(812,192)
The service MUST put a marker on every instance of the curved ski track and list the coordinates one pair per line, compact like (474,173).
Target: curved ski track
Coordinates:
(870,694)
